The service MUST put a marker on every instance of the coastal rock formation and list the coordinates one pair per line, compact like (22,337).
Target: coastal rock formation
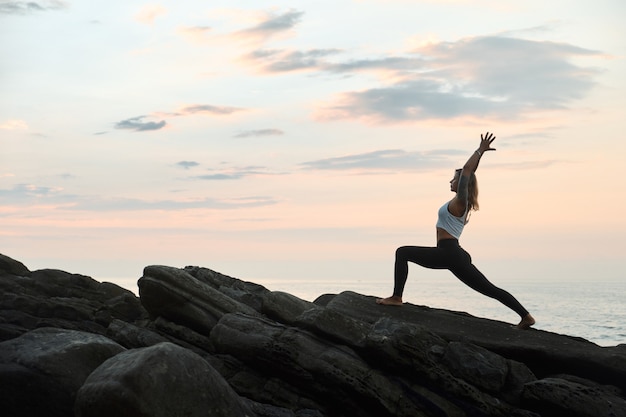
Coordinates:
(199,343)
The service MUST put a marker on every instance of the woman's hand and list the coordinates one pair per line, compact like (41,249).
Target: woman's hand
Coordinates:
(485,142)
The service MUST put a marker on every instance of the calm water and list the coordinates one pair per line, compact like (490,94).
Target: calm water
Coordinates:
(595,311)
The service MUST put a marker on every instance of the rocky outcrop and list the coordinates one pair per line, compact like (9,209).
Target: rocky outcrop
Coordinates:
(199,343)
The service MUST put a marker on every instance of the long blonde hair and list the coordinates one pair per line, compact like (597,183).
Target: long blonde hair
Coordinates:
(472,192)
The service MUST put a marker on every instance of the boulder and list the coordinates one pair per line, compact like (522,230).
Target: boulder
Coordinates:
(164,380)
(42,370)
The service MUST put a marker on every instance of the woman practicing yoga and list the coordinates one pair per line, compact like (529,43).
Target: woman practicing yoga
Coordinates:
(448,254)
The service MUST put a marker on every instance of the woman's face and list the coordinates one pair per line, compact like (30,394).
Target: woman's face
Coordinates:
(454,182)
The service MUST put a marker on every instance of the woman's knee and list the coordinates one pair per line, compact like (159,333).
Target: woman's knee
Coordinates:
(402,252)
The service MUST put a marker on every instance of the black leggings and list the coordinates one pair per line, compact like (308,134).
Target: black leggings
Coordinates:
(450,255)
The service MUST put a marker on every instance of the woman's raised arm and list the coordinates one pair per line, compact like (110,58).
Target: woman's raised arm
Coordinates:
(485,145)
(459,202)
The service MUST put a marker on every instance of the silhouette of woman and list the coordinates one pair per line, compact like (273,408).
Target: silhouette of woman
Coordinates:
(448,254)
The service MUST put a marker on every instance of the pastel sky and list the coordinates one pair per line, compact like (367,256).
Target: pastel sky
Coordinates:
(307,140)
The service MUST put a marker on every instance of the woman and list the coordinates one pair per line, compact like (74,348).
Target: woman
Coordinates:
(452,217)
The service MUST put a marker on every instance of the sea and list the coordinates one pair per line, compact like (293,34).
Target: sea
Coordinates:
(593,310)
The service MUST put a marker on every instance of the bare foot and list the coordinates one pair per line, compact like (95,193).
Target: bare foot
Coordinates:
(526,322)
(390,301)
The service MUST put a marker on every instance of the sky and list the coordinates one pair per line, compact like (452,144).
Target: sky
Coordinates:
(303,141)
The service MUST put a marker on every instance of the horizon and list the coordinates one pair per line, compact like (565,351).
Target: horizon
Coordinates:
(272,142)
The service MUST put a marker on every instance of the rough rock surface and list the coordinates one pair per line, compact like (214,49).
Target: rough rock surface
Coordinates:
(132,384)
(41,370)
(200,343)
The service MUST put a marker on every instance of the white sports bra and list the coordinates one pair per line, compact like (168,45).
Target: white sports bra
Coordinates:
(449,222)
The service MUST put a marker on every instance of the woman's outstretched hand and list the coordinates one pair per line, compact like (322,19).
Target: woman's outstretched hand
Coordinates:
(485,142)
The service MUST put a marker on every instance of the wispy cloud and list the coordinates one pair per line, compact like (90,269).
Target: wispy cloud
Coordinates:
(496,76)
(396,160)
(202,109)
(21,192)
(318,60)
(389,64)
(386,160)
(259,132)
(206,109)
(282,60)
(235,173)
(187,164)
(138,125)
(534,30)
(29,194)
(455,79)
(220,176)
(25,7)
(272,24)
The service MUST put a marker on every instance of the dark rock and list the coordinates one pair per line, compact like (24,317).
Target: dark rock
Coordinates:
(417,354)
(41,371)
(176,295)
(324,299)
(485,369)
(554,397)
(519,374)
(404,348)
(9,266)
(163,380)
(182,336)
(545,353)
(199,337)
(610,389)
(260,387)
(284,307)
(245,292)
(331,374)
(334,326)
(131,336)
(53,298)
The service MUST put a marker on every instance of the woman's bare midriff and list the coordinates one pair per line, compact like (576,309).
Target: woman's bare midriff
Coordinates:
(442,234)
